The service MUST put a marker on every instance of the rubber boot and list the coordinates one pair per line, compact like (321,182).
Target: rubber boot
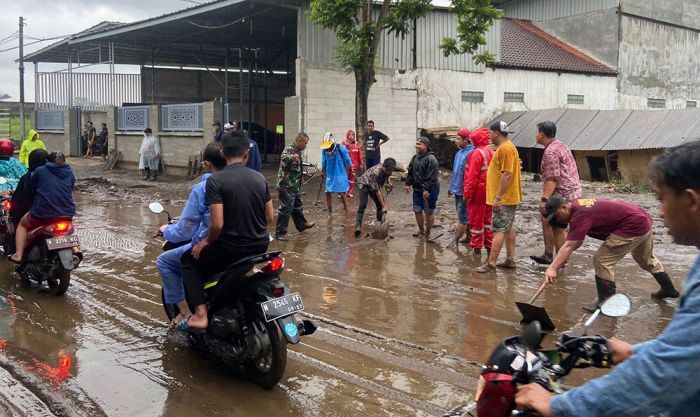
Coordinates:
(605,290)
(147,174)
(667,289)
(154,176)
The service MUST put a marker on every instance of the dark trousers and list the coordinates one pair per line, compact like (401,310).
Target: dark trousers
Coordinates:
(365,194)
(290,205)
(212,260)
(370,162)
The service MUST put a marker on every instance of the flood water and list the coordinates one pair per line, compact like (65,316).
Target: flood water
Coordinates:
(404,325)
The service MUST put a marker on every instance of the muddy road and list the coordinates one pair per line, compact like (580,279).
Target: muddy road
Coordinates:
(403,325)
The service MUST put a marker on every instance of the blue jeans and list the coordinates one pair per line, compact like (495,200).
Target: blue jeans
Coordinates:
(419,201)
(170,267)
(461,206)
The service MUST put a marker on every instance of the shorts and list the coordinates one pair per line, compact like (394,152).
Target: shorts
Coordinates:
(461,206)
(504,219)
(419,201)
(34,223)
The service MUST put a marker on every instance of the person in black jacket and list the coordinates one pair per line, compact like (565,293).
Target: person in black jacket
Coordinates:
(23,195)
(423,176)
(53,185)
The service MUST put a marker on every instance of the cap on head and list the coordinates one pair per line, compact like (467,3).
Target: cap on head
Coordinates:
(464,134)
(228,126)
(551,207)
(499,126)
(327,141)
(423,139)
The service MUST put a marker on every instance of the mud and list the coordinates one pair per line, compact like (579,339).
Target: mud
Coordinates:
(404,325)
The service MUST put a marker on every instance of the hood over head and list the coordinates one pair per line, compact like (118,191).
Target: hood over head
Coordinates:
(31,134)
(347,134)
(60,170)
(480,137)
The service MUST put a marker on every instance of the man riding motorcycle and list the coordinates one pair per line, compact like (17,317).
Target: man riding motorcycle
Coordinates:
(10,168)
(53,185)
(658,376)
(193,225)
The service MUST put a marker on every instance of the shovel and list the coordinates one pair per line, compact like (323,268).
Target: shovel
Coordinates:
(531,312)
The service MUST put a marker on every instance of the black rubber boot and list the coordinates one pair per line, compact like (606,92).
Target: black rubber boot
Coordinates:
(147,174)
(605,290)
(667,289)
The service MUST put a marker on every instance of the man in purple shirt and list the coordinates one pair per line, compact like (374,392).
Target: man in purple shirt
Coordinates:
(624,228)
(560,176)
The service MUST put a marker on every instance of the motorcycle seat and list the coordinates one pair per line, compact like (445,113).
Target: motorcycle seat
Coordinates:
(240,267)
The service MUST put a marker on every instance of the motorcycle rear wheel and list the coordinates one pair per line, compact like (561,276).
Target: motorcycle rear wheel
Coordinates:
(267,370)
(58,284)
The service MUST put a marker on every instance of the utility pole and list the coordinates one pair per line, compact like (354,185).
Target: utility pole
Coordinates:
(21,79)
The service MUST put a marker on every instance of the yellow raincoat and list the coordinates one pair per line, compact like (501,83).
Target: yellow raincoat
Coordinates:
(29,145)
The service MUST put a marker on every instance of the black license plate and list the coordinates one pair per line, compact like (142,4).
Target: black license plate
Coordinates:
(62,242)
(283,306)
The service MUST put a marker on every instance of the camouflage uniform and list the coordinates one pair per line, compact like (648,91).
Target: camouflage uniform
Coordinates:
(289,189)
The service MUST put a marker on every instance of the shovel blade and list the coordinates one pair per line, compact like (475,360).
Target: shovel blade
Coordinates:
(534,313)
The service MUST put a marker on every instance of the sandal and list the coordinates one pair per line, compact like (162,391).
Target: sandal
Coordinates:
(184,326)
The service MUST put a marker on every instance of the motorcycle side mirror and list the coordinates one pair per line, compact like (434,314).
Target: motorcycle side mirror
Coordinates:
(156,208)
(3,180)
(532,335)
(616,306)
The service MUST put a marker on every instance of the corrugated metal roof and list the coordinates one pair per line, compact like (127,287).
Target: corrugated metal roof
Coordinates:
(599,130)
(537,10)
(634,131)
(526,136)
(609,130)
(680,124)
(508,117)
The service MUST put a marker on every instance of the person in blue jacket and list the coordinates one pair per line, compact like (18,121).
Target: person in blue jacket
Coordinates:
(192,226)
(336,164)
(53,185)
(254,160)
(657,377)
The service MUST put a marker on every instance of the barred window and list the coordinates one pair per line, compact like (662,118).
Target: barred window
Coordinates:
(473,96)
(656,103)
(691,104)
(574,99)
(509,97)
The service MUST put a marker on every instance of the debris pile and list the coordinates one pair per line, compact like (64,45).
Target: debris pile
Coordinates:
(442,143)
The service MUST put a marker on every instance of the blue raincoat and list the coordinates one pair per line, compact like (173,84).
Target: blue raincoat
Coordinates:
(12,170)
(336,165)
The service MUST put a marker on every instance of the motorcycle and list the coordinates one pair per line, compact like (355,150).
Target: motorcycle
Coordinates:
(520,360)
(252,316)
(49,255)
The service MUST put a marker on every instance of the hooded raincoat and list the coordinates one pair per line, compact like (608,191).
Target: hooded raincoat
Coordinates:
(475,190)
(12,170)
(355,151)
(336,166)
(150,150)
(28,146)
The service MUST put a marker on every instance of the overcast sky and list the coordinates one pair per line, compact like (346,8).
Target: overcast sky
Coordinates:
(51,18)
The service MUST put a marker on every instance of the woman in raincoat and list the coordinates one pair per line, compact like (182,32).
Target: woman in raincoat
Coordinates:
(10,168)
(32,142)
(149,155)
(335,162)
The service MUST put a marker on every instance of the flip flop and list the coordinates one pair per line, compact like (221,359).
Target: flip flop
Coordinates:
(13,261)
(185,327)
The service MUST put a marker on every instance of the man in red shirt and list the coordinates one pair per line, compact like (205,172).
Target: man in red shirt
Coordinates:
(355,151)
(624,228)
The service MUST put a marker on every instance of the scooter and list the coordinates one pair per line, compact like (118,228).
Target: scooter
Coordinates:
(252,316)
(520,360)
(50,256)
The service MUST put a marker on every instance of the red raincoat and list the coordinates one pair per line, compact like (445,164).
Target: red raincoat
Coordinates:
(355,151)
(480,213)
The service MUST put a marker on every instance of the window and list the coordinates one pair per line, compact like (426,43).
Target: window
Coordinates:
(691,104)
(656,103)
(574,99)
(514,97)
(473,96)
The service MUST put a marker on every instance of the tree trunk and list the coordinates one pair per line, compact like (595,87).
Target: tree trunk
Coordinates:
(363,83)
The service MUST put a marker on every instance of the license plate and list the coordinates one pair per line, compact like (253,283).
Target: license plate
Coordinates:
(62,242)
(283,306)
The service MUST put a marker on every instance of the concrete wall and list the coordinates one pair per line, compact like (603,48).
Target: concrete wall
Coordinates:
(440,93)
(327,103)
(678,12)
(634,165)
(657,61)
(55,141)
(595,33)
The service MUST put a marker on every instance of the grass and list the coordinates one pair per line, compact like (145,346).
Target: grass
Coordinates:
(14,127)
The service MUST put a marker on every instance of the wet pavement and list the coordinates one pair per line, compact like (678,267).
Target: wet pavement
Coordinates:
(404,324)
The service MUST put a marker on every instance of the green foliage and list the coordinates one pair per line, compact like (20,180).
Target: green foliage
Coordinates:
(474,17)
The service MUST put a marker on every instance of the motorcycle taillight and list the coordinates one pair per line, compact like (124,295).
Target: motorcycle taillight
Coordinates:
(275,265)
(497,398)
(61,228)
(6,205)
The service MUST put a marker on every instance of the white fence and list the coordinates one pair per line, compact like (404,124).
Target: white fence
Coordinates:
(183,117)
